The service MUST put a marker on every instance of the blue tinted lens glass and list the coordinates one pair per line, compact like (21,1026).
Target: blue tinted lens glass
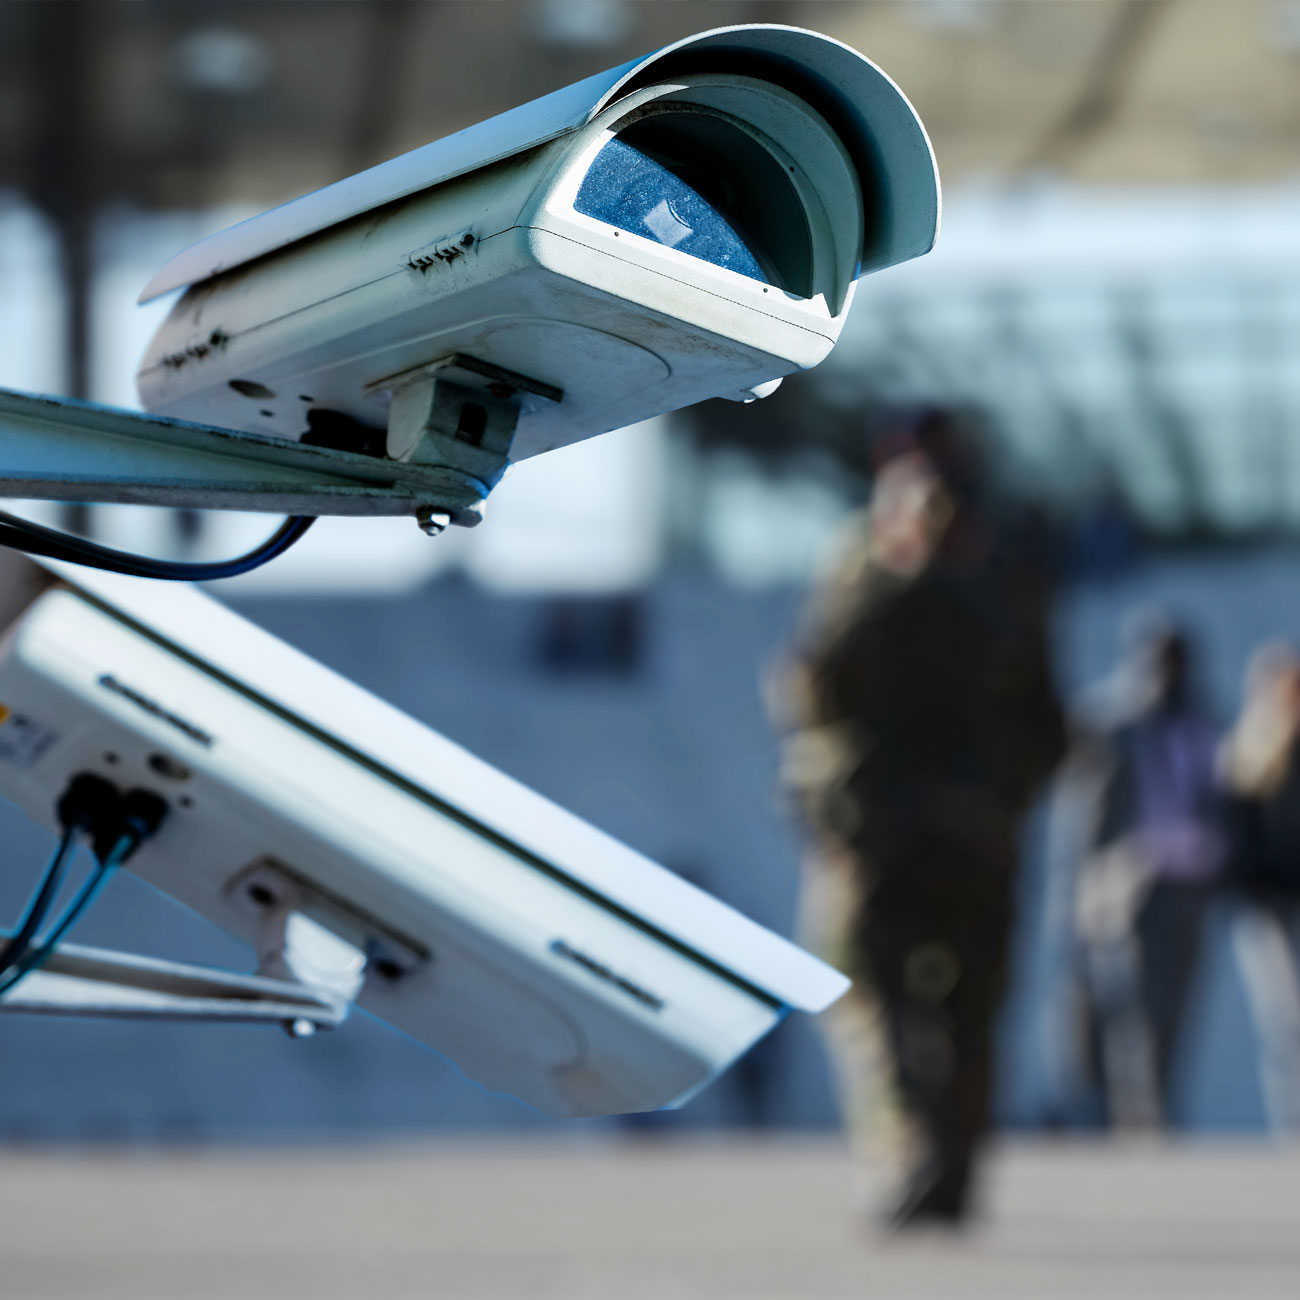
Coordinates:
(629,190)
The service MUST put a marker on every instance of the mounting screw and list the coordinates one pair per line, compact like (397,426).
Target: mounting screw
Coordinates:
(431,521)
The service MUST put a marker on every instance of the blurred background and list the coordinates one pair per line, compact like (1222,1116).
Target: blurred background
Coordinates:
(1114,307)
(1115,300)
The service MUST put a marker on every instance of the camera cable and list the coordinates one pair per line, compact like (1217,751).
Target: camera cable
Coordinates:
(34,955)
(117,825)
(18,944)
(35,539)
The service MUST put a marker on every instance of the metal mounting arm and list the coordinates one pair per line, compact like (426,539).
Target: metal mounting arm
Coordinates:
(58,449)
(76,981)
(308,975)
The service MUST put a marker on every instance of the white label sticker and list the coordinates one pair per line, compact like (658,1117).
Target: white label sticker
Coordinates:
(23,741)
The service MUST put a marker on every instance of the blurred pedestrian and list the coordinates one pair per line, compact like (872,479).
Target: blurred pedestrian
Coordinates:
(922,721)
(1260,769)
(1071,1028)
(1154,851)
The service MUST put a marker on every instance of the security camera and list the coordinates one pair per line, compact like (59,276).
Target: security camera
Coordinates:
(366,858)
(689,225)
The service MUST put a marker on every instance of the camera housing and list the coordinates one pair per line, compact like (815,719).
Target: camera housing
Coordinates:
(543,957)
(689,225)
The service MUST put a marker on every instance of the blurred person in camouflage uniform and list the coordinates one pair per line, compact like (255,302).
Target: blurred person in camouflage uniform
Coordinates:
(921,723)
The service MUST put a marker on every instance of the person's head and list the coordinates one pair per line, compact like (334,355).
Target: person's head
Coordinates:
(1161,653)
(1260,749)
(926,478)
(1273,678)
(944,440)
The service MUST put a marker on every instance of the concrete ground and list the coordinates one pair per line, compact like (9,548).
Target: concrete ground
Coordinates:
(756,1219)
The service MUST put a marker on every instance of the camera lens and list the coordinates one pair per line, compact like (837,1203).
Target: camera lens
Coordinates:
(702,185)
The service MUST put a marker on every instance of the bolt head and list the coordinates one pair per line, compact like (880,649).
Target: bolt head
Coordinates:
(431,521)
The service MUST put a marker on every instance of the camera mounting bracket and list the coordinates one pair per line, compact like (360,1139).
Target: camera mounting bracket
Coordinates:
(308,976)
(458,414)
(63,450)
(77,981)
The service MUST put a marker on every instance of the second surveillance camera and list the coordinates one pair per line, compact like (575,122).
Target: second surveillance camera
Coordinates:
(371,859)
(689,225)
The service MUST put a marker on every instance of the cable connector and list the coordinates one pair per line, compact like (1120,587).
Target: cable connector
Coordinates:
(136,816)
(116,823)
(88,803)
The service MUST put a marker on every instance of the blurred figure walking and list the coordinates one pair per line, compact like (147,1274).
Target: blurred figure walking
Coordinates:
(1260,769)
(1154,850)
(922,722)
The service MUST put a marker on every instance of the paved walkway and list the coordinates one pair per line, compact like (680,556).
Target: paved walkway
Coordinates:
(760,1220)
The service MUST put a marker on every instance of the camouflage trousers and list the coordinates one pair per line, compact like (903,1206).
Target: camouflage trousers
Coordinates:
(911,1043)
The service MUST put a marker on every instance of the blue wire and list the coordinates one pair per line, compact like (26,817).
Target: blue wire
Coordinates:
(34,957)
(38,909)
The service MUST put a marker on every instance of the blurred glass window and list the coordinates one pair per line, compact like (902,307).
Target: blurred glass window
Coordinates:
(593,634)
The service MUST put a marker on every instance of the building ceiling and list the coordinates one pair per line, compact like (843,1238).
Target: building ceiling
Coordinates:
(174,103)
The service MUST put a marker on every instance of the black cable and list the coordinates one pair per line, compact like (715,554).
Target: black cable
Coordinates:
(23,535)
(20,941)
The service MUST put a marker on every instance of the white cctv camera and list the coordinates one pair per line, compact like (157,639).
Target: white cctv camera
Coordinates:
(368,858)
(686,226)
